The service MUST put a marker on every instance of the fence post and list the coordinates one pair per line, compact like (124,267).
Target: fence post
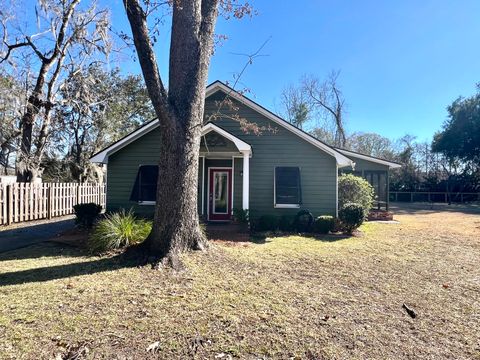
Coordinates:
(78,193)
(10,204)
(49,201)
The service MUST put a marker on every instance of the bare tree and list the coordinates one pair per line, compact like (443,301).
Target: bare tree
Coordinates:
(327,98)
(296,105)
(11,108)
(64,33)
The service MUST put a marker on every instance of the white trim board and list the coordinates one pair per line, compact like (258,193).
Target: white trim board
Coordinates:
(342,160)
(390,164)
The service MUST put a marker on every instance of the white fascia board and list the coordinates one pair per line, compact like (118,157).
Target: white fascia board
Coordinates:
(342,161)
(390,164)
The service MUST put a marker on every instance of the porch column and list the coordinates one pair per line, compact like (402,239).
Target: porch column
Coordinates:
(246,179)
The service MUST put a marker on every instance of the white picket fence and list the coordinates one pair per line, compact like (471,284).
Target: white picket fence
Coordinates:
(21,202)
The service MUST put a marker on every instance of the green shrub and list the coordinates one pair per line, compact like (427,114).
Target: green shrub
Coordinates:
(285,223)
(240,215)
(267,223)
(324,224)
(303,221)
(354,189)
(86,214)
(351,215)
(117,230)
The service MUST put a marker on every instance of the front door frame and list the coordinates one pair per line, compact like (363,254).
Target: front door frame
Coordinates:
(219,217)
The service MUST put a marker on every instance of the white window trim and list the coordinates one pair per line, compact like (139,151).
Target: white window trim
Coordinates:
(282,206)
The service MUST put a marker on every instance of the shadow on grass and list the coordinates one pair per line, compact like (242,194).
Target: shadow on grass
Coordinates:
(399,208)
(43,249)
(100,264)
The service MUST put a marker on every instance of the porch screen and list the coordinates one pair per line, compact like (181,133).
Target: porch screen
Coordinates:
(145,187)
(288,190)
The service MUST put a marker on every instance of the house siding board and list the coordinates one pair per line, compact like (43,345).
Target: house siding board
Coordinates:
(274,148)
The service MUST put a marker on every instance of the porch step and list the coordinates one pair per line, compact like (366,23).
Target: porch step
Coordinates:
(227,231)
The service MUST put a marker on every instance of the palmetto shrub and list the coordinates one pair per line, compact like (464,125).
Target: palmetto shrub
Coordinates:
(118,230)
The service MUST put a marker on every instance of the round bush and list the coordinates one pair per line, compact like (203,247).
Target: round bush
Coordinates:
(118,230)
(86,214)
(351,215)
(354,189)
(303,221)
(285,223)
(267,223)
(323,224)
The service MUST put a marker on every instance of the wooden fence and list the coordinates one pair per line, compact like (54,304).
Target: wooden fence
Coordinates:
(425,196)
(24,201)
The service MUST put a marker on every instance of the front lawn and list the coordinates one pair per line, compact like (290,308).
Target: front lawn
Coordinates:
(282,298)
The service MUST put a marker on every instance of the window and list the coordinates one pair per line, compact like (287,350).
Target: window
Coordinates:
(288,190)
(145,187)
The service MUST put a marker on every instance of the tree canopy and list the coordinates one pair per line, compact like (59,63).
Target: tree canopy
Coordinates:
(460,136)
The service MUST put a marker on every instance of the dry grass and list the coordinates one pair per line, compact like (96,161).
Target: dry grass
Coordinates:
(286,297)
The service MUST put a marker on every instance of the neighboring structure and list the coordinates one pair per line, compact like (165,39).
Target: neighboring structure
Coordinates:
(278,172)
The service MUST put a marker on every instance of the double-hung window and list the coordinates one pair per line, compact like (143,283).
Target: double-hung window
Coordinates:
(287,187)
(145,187)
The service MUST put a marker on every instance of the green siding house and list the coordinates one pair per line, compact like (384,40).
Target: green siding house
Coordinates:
(277,172)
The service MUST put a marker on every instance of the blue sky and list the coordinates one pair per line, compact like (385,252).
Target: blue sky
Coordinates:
(402,62)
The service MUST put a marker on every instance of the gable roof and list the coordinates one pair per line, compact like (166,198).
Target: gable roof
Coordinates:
(390,164)
(341,159)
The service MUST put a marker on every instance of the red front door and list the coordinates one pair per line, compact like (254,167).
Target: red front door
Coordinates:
(220,194)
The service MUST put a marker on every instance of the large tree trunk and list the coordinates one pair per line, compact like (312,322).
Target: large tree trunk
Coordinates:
(180,113)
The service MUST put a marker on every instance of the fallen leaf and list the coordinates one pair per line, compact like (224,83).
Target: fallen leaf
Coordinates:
(154,347)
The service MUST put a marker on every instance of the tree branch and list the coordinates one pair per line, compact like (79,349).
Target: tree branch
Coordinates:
(146,56)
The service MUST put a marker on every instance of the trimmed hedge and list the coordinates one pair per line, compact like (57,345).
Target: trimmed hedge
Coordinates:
(86,214)
(351,215)
(324,224)
(354,189)
(267,223)
(303,221)
(285,223)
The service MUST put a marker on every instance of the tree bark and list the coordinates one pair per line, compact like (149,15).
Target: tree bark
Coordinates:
(180,113)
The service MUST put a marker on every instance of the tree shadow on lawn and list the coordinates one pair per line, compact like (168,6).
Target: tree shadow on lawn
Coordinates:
(399,208)
(100,264)
(40,250)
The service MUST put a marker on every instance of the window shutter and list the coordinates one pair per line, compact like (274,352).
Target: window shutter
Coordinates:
(145,187)
(288,188)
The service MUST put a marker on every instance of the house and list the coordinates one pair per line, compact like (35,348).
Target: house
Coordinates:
(277,172)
